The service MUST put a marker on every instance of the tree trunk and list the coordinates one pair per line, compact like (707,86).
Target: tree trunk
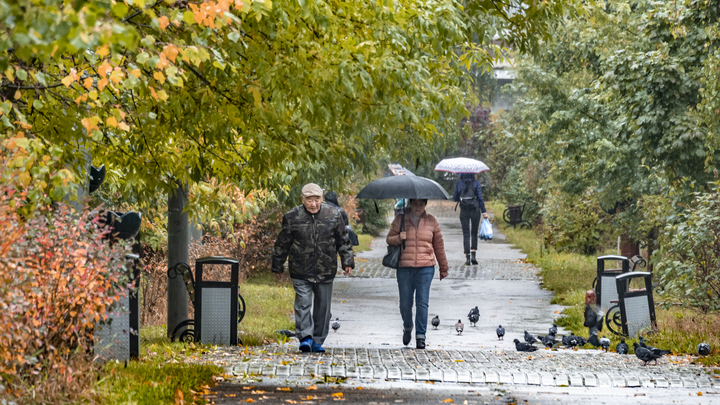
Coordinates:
(178,238)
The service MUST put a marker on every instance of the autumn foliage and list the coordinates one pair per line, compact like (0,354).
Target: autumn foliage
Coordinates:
(57,279)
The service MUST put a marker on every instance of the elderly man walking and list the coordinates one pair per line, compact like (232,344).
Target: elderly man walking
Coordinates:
(312,235)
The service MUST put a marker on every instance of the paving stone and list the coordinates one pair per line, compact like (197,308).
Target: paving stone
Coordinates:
(589,379)
(632,381)
(268,370)
(463,375)
(407,373)
(661,382)
(703,383)
(338,371)
(255,369)
(533,379)
(283,371)
(491,377)
(618,380)
(689,382)
(604,380)
(505,377)
(366,372)
(519,377)
(561,380)
(547,379)
(240,369)
(675,383)
(646,381)
(449,375)
(477,376)
(576,380)
(435,374)
(379,372)
(323,370)
(422,374)
(352,372)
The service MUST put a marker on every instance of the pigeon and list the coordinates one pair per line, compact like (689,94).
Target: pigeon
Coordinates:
(644,354)
(500,332)
(654,350)
(286,332)
(435,322)
(549,341)
(553,330)
(524,347)
(473,319)
(581,341)
(459,327)
(622,347)
(336,324)
(703,349)
(530,339)
(593,340)
(605,343)
(566,340)
(474,311)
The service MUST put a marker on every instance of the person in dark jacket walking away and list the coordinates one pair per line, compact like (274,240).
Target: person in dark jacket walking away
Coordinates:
(312,235)
(468,194)
(332,199)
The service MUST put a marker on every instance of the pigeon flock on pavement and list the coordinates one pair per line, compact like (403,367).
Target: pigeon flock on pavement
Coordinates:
(642,350)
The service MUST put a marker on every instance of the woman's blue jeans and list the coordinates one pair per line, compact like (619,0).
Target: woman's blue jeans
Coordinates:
(414,284)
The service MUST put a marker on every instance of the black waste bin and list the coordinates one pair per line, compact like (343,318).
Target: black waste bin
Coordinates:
(604,285)
(216,304)
(637,306)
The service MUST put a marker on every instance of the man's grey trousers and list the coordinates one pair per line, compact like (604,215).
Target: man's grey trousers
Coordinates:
(317,296)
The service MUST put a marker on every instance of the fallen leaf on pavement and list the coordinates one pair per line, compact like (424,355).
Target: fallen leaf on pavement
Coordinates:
(312,387)
(448,400)
(338,395)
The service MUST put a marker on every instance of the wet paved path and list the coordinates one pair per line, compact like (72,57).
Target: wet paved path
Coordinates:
(367,348)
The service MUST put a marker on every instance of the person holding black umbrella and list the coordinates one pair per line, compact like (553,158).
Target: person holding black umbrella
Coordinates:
(423,244)
(468,194)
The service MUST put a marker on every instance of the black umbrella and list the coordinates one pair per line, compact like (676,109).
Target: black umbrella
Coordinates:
(413,187)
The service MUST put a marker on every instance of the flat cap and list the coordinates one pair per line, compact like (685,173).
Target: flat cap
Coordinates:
(312,190)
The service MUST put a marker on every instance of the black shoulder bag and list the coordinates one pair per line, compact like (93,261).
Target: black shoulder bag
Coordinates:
(392,257)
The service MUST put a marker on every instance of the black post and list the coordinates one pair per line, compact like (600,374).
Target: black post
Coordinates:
(178,239)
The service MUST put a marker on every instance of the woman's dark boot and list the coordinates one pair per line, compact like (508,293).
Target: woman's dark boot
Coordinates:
(467,260)
(473,260)
(420,344)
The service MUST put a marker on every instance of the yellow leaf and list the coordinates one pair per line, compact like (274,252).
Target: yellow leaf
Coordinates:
(179,397)
(170,51)
(338,395)
(135,72)
(159,77)
(163,22)
(312,387)
(117,75)
(88,82)
(249,400)
(256,95)
(81,98)
(163,96)
(73,313)
(104,69)
(112,121)
(153,93)
(448,400)
(68,80)
(162,62)
(103,51)
(699,393)
(17,94)
(283,388)
(102,83)
(125,127)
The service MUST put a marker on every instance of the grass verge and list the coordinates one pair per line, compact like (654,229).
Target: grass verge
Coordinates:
(569,275)
(269,308)
(365,241)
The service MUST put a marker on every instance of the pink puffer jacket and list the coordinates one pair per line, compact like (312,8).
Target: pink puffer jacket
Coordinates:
(424,244)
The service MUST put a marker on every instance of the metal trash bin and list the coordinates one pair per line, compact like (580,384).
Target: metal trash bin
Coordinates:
(604,284)
(119,337)
(216,304)
(637,306)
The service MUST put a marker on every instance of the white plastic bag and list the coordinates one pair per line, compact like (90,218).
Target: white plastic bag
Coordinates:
(486,232)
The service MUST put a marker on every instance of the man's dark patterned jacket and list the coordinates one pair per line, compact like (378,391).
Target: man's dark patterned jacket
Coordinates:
(312,242)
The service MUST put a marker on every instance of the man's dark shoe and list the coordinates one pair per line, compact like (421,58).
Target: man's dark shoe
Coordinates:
(306,345)
(420,344)
(473,260)
(406,337)
(467,260)
(317,348)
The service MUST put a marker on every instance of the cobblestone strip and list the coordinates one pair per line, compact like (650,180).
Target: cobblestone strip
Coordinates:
(585,368)
(487,269)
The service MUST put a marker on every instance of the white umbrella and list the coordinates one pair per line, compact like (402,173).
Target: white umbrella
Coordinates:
(461,165)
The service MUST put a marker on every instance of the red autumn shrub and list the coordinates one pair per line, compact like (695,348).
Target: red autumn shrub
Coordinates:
(57,280)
